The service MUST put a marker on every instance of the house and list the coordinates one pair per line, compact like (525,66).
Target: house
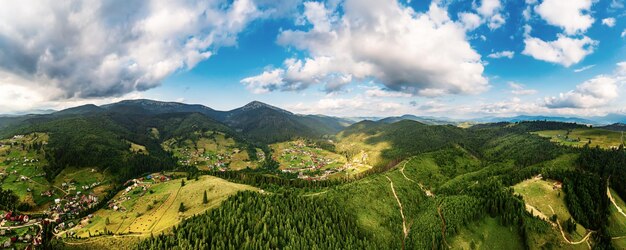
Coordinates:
(557,185)
(7,243)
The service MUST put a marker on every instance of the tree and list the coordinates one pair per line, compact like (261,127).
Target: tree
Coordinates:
(107,222)
(205,200)
(553,218)
(182,208)
(182,182)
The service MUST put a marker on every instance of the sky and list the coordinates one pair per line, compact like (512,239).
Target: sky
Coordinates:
(446,58)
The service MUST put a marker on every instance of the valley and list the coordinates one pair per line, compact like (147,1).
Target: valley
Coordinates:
(166,179)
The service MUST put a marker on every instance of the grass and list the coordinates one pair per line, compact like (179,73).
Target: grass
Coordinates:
(298,155)
(581,136)
(21,159)
(359,151)
(372,203)
(541,195)
(435,168)
(487,234)
(157,211)
(138,149)
(617,221)
(210,150)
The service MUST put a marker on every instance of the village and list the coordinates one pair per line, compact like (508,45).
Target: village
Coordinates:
(309,163)
(19,230)
(215,153)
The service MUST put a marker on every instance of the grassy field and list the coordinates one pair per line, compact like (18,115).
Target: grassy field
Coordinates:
(580,137)
(617,221)
(544,197)
(297,156)
(157,209)
(210,150)
(487,234)
(19,158)
(360,152)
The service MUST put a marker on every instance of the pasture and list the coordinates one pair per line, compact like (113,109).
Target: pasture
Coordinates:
(156,208)
(581,136)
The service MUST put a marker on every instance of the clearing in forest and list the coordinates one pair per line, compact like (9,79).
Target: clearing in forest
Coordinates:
(547,198)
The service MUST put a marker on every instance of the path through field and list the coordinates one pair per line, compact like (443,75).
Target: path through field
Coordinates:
(563,233)
(443,226)
(619,209)
(426,191)
(405,230)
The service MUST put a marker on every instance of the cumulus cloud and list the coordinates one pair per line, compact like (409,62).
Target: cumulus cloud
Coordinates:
(490,11)
(610,21)
(572,15)
(381,39)
(565,50)
(520,89)
(501,54)
(470,21)
(596,92)
(90,49)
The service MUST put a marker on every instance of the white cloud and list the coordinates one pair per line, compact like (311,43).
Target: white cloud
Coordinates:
(565,50)
(520,89)
(571,15)
(470,21)
(489,8)
(490,11)
(623,33)
(621,69)
(379,92)
(496,21)
(593,93)
(381,39)
(581,69)
(527,13)
(94,49)
(610,21)
(358,105)
(263,83)
(501,54)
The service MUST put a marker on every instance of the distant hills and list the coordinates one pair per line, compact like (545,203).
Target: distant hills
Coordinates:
(256,121)
(266,123)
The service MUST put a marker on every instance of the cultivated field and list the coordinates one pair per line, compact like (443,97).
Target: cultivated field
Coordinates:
(581,136)
(297,157)
(211,151)
(156,208)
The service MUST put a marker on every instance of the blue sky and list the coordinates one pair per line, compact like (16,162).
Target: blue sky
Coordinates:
(450,58)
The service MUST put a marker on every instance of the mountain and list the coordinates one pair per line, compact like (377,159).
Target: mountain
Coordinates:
(267,124)
(537,118)
(84,109)
(615,127)
(422,119)
(610,118)
(144,106)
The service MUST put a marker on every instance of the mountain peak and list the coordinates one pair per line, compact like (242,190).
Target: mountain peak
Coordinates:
(259,105)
